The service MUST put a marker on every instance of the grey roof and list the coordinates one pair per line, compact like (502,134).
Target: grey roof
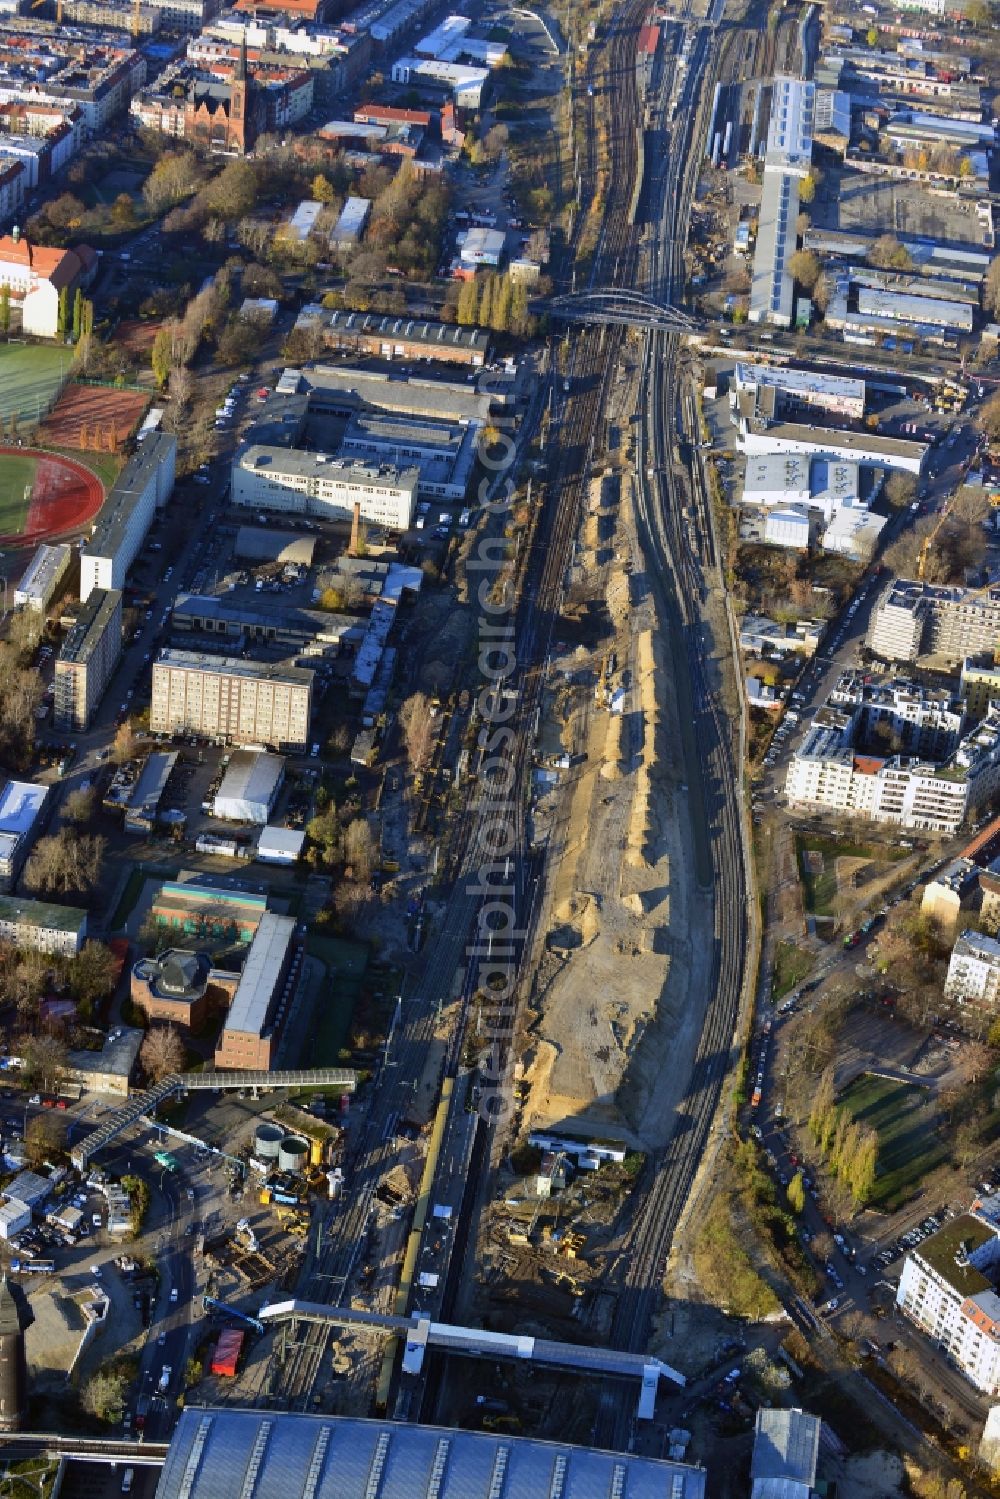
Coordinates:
(786,1446)
(91,623)
(340,1457)
(116,1058)
(152,782)
(251,775)
(28,1187)
(179,973)
(230,666)
(41,913)
(112,522)
(249,1010)
(20,804)
(407,330)
(264,543)
(287,621)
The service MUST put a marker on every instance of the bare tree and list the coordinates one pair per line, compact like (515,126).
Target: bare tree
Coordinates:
(45,1060)
(123,748)
(416,722)
(79,805)
(162,1052)
(65,863)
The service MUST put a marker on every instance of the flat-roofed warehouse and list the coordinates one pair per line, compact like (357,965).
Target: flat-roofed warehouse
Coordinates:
(262,544)
(21,804)
(267,622)
(42,577)
(265,991)
(249,787)
(343,1457)
(395,337)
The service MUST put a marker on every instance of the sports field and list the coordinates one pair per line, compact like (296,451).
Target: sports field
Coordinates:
(93,417)
(909,1145)
(43,495)
(17,478)
(30,376)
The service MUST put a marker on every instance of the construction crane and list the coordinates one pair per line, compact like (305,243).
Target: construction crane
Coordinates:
(209,1304)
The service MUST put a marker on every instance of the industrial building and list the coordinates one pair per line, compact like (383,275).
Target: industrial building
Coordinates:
(87,660)
(444,454)
(279,845)
(394,337)
(340,390)
(265,544)
(351,225)
(345,1457)
(785,1454)
(948,1288)
(199,909)
(759,437)
(143,806)
(144,486)
(797,391)
(21,807)
(249,787)
(913,619)
(180,987)
(282,626)
(787,159)
(231,700)
(265,991)
(42,925)
(44,572)
(314,484)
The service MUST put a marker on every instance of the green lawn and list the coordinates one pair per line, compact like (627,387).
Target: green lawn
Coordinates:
(821,889)
(17,475)
(791,965)
(903,1116)
(334,1005)
(30,375)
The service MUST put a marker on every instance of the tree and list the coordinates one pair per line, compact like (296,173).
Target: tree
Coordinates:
(989,417)
(468,303)
(123,211)
(805,268)
(887,254)
(45,1060)
(162,1052)
(92,973)
(77,315)
(62,313)
(416,722)
(321,190)
(807,188)
(161,355)
(103,1395)
(4,308)
(65,863)
(796,1193)
(180,384)
(900,489)
(359,849)
(872,37)
(123,746)
(44,1138)
(79,805)
(823,1104)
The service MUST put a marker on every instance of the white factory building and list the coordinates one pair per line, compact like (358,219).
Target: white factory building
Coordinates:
(756,439)
(811,498)
(948,1289)
(351,224)
(42,577)
(481,246)
(313,484)
(21,805)
(144,486)
(787,159)
(249,787)
(801,390)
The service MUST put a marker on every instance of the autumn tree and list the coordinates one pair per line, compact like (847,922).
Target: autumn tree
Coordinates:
(321,189)
(161,355)
(359,849)
(900,489)
(796,1193)
(416,721)
(44,1138)
(468,303)
(123,747)
(162,1052)
(805,268)
(92,973)
(887,254)
(103,1395)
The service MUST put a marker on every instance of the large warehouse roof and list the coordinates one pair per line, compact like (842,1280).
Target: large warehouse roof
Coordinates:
(339,1457)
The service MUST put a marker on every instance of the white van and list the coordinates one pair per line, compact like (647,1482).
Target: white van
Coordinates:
(127,1478)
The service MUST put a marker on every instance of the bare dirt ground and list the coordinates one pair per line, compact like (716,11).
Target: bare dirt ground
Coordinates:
(626,930)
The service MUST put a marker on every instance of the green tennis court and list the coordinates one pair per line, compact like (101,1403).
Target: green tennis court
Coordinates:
(31,375)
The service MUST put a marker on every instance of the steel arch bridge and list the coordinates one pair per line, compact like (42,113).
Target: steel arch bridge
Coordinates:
(621,305)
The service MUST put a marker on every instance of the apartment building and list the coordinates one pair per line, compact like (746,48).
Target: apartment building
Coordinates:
(979,683)
(828,770)
(231,701)
(915,720)
(973,980)
(913,619)
(144,486)
(42,577)
(304,483)
(41,925)
(947,1288)
(262,999)
(87,661)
